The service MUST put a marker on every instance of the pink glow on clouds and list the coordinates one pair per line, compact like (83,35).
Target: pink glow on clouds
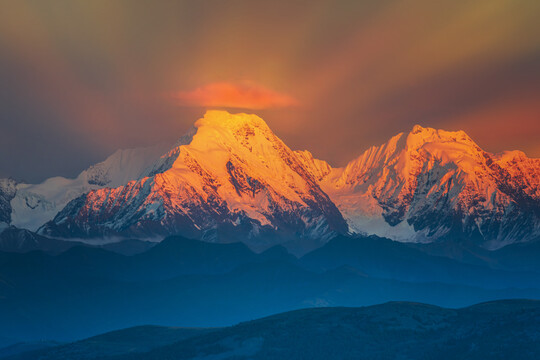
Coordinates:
(231,95)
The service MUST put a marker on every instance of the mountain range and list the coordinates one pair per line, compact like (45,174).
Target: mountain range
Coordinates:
(230,178)
(86,290)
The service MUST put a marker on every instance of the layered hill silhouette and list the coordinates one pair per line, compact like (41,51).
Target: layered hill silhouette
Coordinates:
(85,290)
(494,330)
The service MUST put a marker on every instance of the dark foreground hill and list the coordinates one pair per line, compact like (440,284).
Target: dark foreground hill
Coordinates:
(398,330)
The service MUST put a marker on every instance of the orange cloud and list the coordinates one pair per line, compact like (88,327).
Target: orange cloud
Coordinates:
(245,96)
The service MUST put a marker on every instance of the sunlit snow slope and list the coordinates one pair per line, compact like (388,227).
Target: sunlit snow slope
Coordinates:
(34,204)
(431,184)
(230,177)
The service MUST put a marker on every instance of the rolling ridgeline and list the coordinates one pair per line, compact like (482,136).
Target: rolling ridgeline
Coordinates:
(85,290)
(505,329)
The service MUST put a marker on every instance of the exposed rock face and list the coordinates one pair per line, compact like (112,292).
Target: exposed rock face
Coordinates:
(34,204)
(431,184)
(8,189)
(231,176)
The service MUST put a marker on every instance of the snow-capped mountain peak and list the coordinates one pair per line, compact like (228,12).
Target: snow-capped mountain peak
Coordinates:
(234,122)
(405,154)
(231,177)
(430,183)
(34,204)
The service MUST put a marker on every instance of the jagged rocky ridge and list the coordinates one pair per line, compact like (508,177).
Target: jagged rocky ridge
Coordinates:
(230,178)
(29,206)
(435,184)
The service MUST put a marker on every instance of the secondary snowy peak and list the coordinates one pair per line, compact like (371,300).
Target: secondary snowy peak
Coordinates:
(522,169)
(430,184)
(405,153)
(230,178)
(123,166)
(31,205)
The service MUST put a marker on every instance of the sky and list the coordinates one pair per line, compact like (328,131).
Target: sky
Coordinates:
(81,79)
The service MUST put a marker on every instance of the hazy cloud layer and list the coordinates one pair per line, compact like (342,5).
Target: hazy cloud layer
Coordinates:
(82,79)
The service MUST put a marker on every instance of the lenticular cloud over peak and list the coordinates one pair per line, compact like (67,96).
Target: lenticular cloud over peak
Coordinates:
(233,95)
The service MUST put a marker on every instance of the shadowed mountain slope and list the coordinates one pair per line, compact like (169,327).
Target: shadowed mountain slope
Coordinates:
(396,330)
